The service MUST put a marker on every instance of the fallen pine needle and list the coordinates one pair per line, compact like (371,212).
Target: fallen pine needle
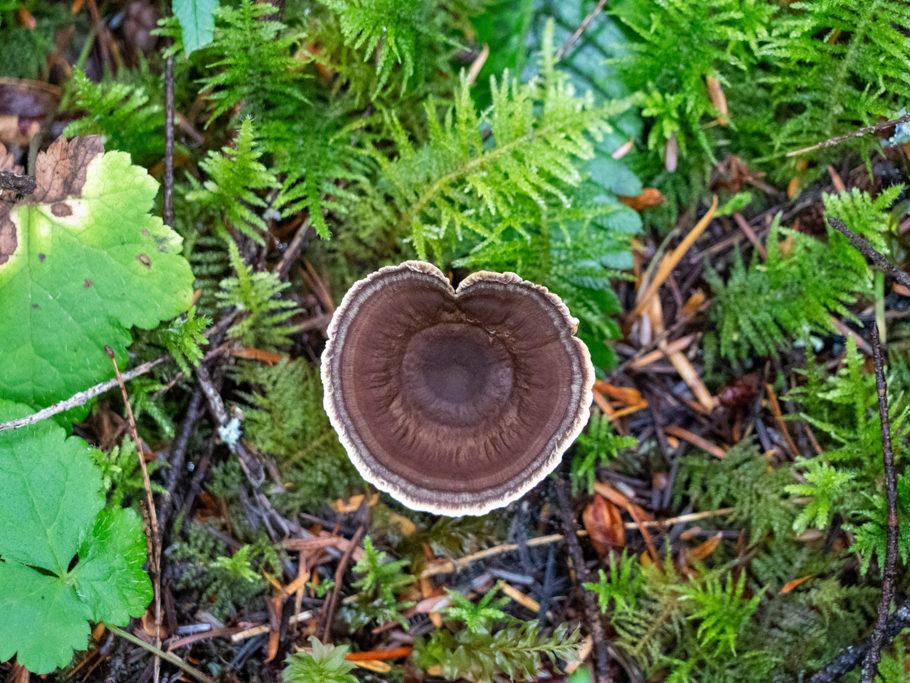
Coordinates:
(690,377)
(696,440)
(779,419)
(392,653)
(519,597)
(654,356)
(670,260)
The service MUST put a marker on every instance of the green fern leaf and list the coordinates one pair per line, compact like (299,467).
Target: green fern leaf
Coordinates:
(235,175)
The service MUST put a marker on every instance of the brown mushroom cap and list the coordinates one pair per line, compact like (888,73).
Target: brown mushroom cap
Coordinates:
(454,402)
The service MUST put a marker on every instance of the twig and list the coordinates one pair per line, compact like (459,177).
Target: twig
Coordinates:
(20,184)
(566,46)
(696,440)
(601,662)
(779,419)
(261,629)
(83,397)
(859,132)
(328,612)
(870,666)
(169,141)
(849,657)
(154,538)
(178,455)
(452,566)
(80,398)
(866,249)
(251,467)
(750,233)
(102,35)
(293,251)
(670,261)
(158,652)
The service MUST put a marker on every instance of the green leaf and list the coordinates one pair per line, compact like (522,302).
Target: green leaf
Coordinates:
(480,617)
(50,495)
(82,261)
(623,586)
(50,498)
(326,664)
(197,20)
(109,576)
(43,620)
(825,489)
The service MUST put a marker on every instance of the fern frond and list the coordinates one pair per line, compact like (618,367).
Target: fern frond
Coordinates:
(721,611)
(847,59)
(658,620)
(390,33)
(679,44)
(235,174)
(869,532)
(143,394)
(317,155)
(826,488)
(514,651)
(458,184)
(256,294)
(792,294)
(595,448)
(624,585)
(183,338)
(866,217)
(478,618)
(125,113)
(284,418)
(745,481)
(255,63)
(381,581)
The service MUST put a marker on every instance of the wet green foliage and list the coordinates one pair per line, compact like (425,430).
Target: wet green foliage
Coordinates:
(325,664)
(489,642)
(367,127)
(381,580)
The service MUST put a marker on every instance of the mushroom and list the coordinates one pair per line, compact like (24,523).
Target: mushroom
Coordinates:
(454,402)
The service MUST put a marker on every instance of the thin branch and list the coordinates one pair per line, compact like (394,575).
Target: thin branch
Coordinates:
(152,533)
(870,666)
(867,250)
(178,456)
(228,431)
(581,29)
(592,613)
(226,428)
(169,141)
(328,611)
(849,657)
(671,260)
(82,397)
(858,133)
(291,254)
(167,656)
(452,566)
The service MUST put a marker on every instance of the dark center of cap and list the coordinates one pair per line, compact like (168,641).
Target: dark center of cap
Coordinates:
(456,374)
